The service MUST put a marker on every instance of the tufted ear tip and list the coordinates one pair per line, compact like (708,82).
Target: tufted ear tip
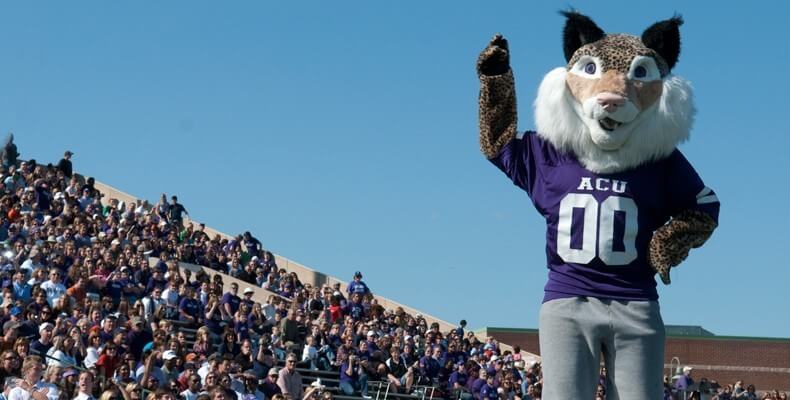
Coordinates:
(579,30)
(664,38)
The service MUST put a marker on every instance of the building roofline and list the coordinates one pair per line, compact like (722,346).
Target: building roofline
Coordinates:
(716,337)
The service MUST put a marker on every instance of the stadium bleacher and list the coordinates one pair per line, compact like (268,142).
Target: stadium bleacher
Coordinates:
(107,296)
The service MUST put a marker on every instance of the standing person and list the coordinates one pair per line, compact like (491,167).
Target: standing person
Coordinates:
(64,165)
(289,379)
(684,383)
(30,386)
(10,154)
(175,211)
(357,285)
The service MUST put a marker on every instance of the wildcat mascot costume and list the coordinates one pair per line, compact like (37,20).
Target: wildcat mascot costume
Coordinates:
(621,203)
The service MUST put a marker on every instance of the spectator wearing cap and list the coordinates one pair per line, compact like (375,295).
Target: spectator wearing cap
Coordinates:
(459,381)
(289,379)
(250,390)
(248,292)
(269,385)
(169,365)
(42,345)
(14,318)
(64,165)
(357,285)
(685,382)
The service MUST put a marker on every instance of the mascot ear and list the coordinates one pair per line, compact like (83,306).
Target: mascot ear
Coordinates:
(664,38)
(579,30)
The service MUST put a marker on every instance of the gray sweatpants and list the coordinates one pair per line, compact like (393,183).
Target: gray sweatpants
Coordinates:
(574,332)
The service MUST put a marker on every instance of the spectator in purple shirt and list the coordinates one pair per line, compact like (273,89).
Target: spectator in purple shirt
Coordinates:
(458,383)
(353,377)
(357,286)
(430,366)
(684,382)
(355,308)
(189,309)
(230,302)
(478,383)
(488,391)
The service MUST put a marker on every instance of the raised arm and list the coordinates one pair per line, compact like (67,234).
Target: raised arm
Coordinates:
(497,101)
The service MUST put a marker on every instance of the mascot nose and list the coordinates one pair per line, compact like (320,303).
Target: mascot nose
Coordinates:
(610,101)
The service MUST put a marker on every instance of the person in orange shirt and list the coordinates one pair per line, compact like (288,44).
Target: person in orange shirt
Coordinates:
(77,290)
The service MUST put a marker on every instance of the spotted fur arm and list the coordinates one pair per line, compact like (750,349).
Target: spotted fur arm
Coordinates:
(497,101)
(671,243)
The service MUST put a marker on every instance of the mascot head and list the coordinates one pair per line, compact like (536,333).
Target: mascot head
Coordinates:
(615,105)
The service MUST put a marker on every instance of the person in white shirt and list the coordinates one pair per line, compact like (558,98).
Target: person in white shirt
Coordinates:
(33,263)
(53,287)
(84,387)
(310,352)
(30,387)
(193,388)
(151,303)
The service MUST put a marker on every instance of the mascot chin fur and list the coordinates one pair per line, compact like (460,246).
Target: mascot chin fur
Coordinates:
(621,202)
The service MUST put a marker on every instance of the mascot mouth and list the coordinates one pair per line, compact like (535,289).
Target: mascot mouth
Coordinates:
(609,124)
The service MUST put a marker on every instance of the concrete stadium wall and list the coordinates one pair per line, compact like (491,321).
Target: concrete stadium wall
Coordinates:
(305,274)
(763,362)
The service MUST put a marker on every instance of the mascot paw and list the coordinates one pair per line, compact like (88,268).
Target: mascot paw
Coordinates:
(495,58)
(672,242)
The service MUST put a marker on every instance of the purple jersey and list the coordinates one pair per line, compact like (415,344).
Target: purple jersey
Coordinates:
(598,226)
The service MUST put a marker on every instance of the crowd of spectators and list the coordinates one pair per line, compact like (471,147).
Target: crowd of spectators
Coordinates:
(684,386)
(95,306)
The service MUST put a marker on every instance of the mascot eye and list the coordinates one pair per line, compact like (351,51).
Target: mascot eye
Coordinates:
(640,72)
(590,68)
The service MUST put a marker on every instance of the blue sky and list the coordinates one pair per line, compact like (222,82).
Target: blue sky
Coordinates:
(344,136)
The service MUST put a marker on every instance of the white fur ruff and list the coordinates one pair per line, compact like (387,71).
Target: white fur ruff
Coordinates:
(652,135)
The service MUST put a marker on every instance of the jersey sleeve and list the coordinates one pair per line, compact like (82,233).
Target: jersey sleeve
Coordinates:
(686,191)
(519,161)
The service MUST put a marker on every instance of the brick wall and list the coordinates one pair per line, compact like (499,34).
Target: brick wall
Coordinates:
(762,362)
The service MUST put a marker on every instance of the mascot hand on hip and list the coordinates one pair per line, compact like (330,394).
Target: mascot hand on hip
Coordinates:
(621,202)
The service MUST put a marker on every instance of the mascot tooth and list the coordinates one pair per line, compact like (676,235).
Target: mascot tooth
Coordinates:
(621,202)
